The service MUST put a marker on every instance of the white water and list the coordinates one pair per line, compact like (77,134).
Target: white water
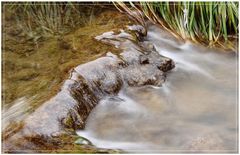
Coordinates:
(194,110)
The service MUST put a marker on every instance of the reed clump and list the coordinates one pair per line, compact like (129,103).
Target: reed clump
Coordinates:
(50,18)
(211,23)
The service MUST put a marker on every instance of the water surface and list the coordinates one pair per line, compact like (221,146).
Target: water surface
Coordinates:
(194,110)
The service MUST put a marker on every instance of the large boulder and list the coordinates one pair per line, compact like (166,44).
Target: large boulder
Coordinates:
(138,64)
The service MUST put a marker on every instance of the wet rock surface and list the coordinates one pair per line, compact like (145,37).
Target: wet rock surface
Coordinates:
(139,64)
(194,111)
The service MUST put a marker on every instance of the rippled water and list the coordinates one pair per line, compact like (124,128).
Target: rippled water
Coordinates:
(194,110)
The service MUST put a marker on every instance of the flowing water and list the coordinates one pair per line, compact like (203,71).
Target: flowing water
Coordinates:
(194,110)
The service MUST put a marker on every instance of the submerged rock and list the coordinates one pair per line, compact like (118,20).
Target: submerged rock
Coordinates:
(83,141)
(139,64)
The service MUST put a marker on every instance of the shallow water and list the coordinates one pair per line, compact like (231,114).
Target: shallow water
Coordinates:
(194,110)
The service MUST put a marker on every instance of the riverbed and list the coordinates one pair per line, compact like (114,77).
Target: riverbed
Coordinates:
(195,110)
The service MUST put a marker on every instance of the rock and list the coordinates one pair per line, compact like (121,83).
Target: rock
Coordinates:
(83,141)
(143,59)
(139,29)
(139,64)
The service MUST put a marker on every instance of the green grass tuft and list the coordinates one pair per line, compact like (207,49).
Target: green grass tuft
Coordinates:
(212,23)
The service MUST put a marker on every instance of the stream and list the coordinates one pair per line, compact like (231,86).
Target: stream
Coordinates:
(195,110)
